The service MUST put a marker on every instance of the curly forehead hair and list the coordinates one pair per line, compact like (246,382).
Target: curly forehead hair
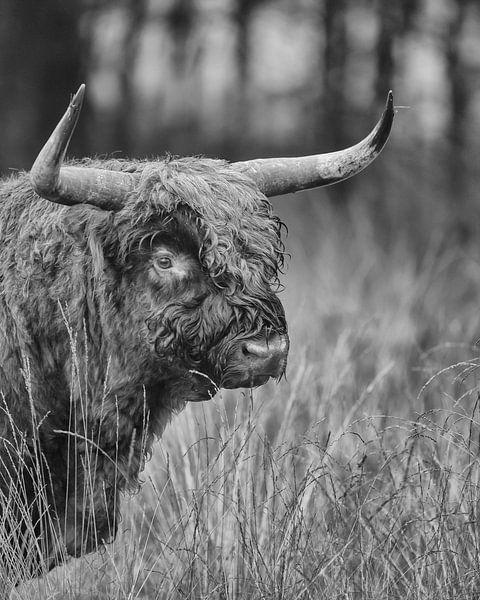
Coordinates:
(239,236)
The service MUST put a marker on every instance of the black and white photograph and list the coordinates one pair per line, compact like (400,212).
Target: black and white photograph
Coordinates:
(239,300)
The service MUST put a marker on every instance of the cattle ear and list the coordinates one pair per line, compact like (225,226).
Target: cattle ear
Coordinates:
(82,217)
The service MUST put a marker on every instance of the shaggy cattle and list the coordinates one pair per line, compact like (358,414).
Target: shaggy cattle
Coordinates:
(129,288)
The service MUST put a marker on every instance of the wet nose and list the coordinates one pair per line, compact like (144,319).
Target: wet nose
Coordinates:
(267,355)
(271,348)
(254,361)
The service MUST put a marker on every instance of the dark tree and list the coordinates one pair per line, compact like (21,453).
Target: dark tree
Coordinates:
(180,21)
(41,62)
(335,50)
(329,110)
(457,73)
(243,13)
(122,124)
(459,90)
(395,21)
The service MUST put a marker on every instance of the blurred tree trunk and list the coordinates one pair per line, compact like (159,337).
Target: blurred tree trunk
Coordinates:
(184,94)
(457,74)
(242,16)
(40,66)
(395,20)
(388,15)
(123,123)
(459,92)
(332,123)
(180,21)
(333,126)
(385,47)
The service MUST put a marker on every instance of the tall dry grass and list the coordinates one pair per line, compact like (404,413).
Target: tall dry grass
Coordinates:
(358,477)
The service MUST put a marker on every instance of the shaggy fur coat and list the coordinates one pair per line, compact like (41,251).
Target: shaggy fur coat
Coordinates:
(96,353)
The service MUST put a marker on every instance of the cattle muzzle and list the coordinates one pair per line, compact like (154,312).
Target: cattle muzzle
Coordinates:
(254,361)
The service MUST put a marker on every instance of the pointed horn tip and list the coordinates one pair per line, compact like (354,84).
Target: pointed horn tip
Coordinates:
(389,106)
(77,100)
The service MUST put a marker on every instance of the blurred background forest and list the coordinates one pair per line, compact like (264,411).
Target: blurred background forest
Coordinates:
(244,78)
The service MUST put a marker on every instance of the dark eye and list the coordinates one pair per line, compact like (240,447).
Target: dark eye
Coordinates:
(164,262)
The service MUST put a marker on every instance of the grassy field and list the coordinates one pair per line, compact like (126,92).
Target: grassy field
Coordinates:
(359,476)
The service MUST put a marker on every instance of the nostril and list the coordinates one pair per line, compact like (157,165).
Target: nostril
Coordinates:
(262,357)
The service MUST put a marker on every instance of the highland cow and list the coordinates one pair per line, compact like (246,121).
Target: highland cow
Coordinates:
(129,288)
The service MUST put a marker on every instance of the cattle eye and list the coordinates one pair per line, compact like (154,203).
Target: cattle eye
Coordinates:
(164,262)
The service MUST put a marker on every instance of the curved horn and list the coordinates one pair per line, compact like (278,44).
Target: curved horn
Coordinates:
(276,176)
(76,185)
